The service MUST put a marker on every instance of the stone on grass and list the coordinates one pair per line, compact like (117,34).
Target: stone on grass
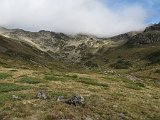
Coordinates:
(122,116)
(60,99)
(41,95)
(76,100)
(14,97)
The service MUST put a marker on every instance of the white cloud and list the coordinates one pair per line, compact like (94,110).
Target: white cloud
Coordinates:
(71,16)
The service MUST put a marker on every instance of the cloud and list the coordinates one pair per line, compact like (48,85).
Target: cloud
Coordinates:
(72,16)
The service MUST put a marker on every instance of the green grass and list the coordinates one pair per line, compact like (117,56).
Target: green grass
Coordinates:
(3,64)
(54,78)
(4,98)
(13,70)
(90,81)
(110,78)
(7,87)
(30,80)
(154,57)
(71,76)
(125,94)
(75,78)
(140,84)
(135,57)
(59,93)
(122,64)
(50,77)
(4,75)
(84,80)
(136,85)
(133,85)
(128,83)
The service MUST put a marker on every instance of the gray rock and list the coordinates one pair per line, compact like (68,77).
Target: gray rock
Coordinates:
(132,78)
(16,97)
(76,100)
(122,116)
(41,95)
(60,99)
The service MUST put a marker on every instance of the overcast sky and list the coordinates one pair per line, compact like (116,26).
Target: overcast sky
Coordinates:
(97,17)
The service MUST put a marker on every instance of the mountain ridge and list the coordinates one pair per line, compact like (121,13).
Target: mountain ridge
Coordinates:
(123,70)
(80,48)
(70,47)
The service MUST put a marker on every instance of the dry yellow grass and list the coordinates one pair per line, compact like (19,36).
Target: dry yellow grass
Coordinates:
(118,100)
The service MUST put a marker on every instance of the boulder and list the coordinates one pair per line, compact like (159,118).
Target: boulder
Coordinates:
(76,100)
(41,95)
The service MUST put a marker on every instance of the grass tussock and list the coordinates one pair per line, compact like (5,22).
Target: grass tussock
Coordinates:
(8,87)
(122,64)
(87,81)
(30,80)
(4,98)
(59,93)
(54,78)
(90,81)
(133,85)
(75,78)
(4,75)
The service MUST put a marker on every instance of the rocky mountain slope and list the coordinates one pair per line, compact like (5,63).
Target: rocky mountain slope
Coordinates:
(140,51)
(151,35)
(14,50)
(84,49)
(41,73)
(65,47)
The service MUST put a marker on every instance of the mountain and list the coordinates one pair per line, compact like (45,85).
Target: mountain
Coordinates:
(140,50)
(64,47)
(86,50)
(43,73)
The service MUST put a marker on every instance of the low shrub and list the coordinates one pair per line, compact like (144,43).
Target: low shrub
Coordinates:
(122,64)
(154,57)
(91,65)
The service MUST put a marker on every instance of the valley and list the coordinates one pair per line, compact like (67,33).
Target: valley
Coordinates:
(119,77)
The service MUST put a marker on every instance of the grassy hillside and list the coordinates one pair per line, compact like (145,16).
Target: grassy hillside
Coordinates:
(107,96)
(16,53)
(119,83)
(110,94)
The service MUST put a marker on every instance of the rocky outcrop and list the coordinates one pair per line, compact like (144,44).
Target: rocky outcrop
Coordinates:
(145,38)
(150,36)
(64,47)
(154,27)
